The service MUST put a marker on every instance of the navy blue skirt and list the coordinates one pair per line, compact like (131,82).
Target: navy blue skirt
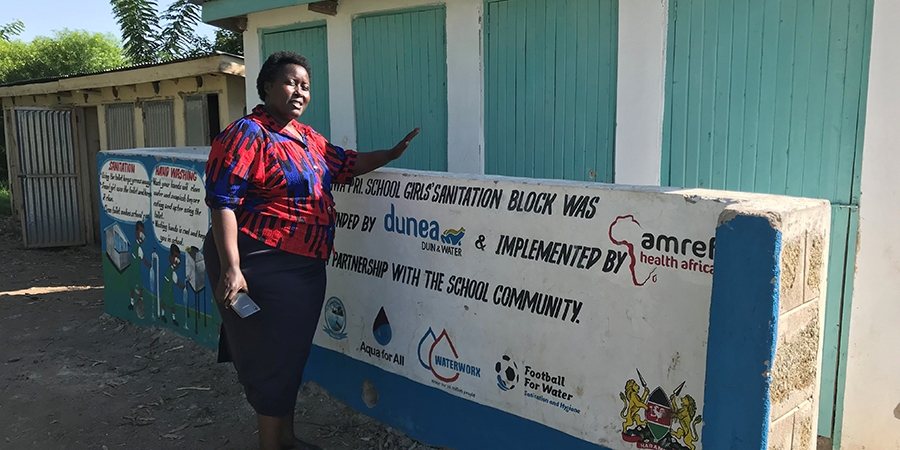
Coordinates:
(269,349)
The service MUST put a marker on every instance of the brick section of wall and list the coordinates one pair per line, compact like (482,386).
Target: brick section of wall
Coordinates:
(795,371)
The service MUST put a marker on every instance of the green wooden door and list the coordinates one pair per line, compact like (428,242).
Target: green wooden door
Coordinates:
(400,82)
(310,41)
(770,97)
(550,88)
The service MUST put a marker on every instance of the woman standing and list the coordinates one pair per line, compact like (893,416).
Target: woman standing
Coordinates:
(268,184)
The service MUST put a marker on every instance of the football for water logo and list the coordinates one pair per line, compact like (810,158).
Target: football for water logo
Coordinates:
(507,373)
(539,385)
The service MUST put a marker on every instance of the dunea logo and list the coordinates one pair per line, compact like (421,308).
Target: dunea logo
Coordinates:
(438,355)
(335,318)
(434,238)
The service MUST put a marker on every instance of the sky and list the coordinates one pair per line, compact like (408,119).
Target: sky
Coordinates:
(42,17)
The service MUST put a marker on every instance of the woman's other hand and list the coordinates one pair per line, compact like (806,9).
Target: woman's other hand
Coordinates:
(401,146)
(230,283)
(369,161)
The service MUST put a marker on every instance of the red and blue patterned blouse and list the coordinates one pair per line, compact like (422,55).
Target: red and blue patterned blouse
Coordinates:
(278,182)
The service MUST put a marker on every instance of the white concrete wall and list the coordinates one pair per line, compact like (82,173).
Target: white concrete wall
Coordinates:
(643,26)
(641,75)
(872,397)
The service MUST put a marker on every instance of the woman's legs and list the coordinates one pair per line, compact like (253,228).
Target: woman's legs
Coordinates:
(269,432)
(277,433)
(269,349)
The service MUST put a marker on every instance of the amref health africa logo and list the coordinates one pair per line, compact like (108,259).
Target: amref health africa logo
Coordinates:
(649,251)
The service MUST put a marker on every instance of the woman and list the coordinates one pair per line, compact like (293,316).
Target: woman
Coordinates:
(268,185)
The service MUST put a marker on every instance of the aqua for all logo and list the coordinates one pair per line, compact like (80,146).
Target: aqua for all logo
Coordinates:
(381,330)
(434,238)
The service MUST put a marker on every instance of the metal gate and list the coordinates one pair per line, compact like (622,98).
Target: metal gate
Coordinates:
(196,119)
(159,123)
(48,178)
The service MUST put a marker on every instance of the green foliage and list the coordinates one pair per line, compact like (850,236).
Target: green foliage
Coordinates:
(229,42)
(140,29)
(177,37)
(67,52)
(151,36)
(5,201)
(14,28)
(4,174)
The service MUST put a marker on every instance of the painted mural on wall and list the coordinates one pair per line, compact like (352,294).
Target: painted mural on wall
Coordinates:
(535,298)
(154,220)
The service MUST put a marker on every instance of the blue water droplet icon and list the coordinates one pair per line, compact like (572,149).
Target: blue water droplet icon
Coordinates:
(382,328)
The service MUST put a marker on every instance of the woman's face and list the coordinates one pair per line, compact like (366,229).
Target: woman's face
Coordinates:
(287,95)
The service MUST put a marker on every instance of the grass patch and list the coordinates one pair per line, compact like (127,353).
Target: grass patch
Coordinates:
(5,208)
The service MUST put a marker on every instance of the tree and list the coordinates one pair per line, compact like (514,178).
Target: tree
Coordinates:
(152,36)
(229,42)
(67,52)
(14,28)
(140,28)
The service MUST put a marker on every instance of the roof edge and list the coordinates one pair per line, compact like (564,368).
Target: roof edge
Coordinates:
(218,10)
(220,63)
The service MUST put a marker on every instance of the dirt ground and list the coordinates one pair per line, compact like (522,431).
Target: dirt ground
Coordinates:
(72,377)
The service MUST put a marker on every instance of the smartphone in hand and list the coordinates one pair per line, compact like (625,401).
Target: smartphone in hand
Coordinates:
(243,305)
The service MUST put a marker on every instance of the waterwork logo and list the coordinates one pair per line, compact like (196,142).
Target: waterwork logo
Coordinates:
(434,238)
(438,355)
(335,318)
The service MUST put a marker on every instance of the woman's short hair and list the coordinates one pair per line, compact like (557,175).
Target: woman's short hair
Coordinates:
(273,65)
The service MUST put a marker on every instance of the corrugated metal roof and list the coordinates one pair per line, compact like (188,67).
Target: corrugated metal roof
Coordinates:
(119,69)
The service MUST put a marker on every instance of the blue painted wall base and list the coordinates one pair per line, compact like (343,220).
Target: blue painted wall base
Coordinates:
(405,404)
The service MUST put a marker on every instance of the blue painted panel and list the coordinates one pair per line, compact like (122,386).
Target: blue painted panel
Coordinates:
(550,88)
(736,398)
(400,83)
